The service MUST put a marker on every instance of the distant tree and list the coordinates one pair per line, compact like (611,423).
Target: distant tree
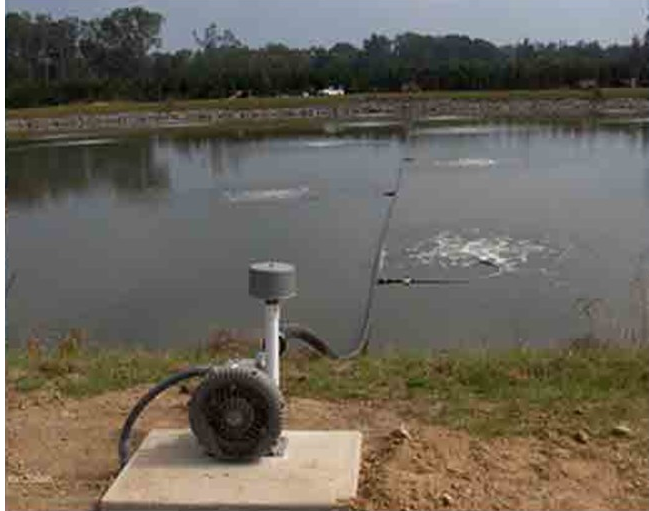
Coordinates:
(117,46)
(134,28)
(340,64)
(637,59)
(61,60)
(645,56)
(18,54)
(213,38)
(377,63)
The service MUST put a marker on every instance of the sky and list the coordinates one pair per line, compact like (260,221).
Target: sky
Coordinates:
(304,23)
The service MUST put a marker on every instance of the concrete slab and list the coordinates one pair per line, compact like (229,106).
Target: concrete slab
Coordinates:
(319,470)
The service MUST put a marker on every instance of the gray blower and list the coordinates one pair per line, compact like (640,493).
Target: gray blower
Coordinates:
(236,411)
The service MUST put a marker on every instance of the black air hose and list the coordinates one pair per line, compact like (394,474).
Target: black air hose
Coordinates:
(125,435)
(300,333)
(309,338)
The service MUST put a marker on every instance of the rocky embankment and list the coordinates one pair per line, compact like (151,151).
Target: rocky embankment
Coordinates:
(354,109)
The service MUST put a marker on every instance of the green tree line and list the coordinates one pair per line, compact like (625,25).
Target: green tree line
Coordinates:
(55,61)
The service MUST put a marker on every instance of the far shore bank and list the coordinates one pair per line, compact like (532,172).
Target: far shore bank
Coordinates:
(309,114)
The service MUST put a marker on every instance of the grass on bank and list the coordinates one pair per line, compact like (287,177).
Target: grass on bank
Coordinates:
(513,391)
(300,102)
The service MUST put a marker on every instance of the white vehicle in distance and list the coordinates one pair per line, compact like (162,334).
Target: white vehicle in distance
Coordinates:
(332,91)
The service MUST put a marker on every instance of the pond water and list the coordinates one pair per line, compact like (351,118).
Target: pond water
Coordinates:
(148,240)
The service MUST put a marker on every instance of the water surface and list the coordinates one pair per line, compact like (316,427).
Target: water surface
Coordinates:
(148,240)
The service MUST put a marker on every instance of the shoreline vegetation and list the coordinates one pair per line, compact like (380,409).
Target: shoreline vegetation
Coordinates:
(59,60)
(250,116)
(604,377)
(517,428)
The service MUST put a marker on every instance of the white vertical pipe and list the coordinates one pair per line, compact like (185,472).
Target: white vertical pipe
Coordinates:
(271,336)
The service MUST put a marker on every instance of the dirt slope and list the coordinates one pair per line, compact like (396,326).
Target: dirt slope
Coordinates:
(61,454)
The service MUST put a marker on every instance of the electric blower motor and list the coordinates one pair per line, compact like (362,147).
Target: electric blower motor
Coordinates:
(236,412)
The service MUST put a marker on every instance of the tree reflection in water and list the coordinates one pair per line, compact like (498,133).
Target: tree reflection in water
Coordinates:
(38,173)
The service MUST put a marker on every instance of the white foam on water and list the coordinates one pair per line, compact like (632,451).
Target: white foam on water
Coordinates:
(637,120)
(62,141)
(271,194)
(502,253)
(459,130)
(446,118)
(321,144)
(466,163)
(367,124)
(63,136)
(88,142)
(383,260)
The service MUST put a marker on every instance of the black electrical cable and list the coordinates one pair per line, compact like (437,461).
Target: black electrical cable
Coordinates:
(123,447)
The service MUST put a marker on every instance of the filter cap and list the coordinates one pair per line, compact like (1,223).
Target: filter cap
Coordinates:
(272,280)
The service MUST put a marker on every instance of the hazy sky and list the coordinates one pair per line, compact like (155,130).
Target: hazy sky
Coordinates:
(323,22)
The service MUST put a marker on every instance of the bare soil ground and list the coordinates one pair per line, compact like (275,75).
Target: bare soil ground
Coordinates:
(61,454)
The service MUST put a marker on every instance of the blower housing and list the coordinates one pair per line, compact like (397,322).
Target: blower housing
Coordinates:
(236,412)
